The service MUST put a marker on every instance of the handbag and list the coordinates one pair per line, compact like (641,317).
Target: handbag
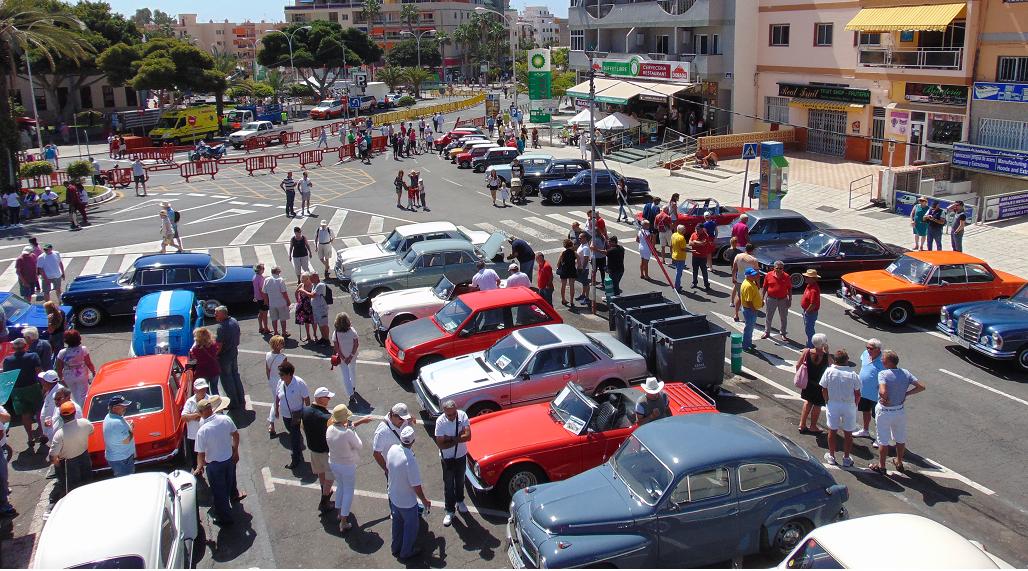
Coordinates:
(336,360)
(800,378)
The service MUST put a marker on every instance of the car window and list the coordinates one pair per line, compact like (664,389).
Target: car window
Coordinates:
(811,555)
(792,225)
(168,535)
(977,273)
(550,360)
(489,320)
(556,169)
(583,356)
(572,169)
(702,486)
(860,247)
(163,323)
(438,236)
(953,274)
(467,258)
(144,399)
(432,260)
(150,277)
(756,476)
(120,562)
(529,314)
(173,379)
(762,227)
(179,276)
(453,258)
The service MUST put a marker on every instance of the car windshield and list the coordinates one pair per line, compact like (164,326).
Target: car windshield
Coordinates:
(165,323)
(913,270)
(214,271)
(14,305)
(815,244)
(251,126)
(535,165)
(392,241)
(646,477)
(1021,296)
(234,116)
(410,258)
(574,409)
(600,346)
(126,277)
(443,289)
(167,122)
(145,400)
(451,315)
(120,562)
(507,355)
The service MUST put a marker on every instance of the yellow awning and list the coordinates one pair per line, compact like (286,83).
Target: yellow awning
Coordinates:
(822,104)
(933,18)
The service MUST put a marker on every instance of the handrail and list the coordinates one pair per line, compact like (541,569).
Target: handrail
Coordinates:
(869,184)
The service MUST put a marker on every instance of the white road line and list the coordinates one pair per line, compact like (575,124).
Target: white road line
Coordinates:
(561,231)
(219,196)
(487,227)
(522,229)
(196,194)
(126,261)
(262,205)
(94,265)
(39,515)
(245,234)
(236,202)
(9,278)
(960,477)
(335,224)
(232,256)
(787,392)
(287,232)
(266,256)
(171,194)
(564,219)
(351,242)
(984,386)
(376,238)
(247,403)
(269,484)
(375,225)
(454,183)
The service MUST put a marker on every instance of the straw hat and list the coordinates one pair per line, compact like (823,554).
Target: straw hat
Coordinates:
(340,414)
(217,403)
(811,273)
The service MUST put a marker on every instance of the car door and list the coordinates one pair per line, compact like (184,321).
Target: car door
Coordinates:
(792,229)
(604,185)
(698,519)
(485,328)
(143,282)
(986,284)
(763,485)
(588,368)
(952,288)
(171,552)
(528,314)
(460,267)
(546,374)
(429,268)
(854,255)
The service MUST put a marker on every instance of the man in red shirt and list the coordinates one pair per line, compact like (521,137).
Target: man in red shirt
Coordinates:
(701,245)
(544,277)
(811,303)
(599,222)
(778,297)
(741,231)
(662,224)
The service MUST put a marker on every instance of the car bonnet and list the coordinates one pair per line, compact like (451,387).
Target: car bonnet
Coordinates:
(414,333)
(570,506)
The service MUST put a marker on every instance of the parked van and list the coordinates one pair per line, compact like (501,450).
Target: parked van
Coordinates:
(185,125)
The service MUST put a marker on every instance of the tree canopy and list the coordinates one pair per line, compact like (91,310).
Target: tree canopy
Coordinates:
(319,53)
(405,53)
(162,64)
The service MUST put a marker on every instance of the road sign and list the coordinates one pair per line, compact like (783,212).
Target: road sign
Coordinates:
(749,151)
(355,103)
(360,79)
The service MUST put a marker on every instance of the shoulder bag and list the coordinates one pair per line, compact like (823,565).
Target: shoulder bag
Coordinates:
(800,378)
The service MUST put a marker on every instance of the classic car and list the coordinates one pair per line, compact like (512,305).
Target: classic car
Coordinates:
(158,386)
(546,442)
(500,156)
(532,162)
(557,169)
(21,314)
(690,212)
(920,283)
(155,515)
(579,186)
(95,297)
(527,366)
(685,491)
(441,142)
(831,252)
(467,144)
(464,159)
(926,544)
(165,322)
(394,308)
(398,243)
(328,109)
(997,329)
(472,322)
(766,228)
(424,263)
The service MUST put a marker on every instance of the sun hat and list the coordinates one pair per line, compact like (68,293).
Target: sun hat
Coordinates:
(324,222)
(323,392)
(341,413)
(811,273)
(652,385)
(400,410)
(200,383)
(217,403)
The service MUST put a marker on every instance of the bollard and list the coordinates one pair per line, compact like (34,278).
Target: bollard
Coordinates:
(736,353)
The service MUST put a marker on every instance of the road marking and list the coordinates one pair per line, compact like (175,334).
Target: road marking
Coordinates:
(335,224)
(196,194)
(787,397)
(487,227)
(171,194)
(236,202)
(287,232)
(269,484)
(315,357)
(562,218)
(220,196)
(548,225)
(39,516)
(9,278)
(959,477)
(521,228)
(727,393)
(94,265)
(220,215)
(984,386)
(126,261)
(351,242)
(375,225)
(454,183)
(246,233)
(247,403)
(266,255)
(232,256)
(262,205)
(787,392)
(142,204)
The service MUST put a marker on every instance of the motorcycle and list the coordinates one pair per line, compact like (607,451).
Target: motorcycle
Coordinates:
(211,152)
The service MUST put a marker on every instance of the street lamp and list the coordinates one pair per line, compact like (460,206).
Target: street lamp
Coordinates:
(32,94)
(289,39)
(482,10)
(417,39)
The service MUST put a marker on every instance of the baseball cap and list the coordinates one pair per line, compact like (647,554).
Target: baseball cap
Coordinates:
(67,408)
(118,400)
(323,392)
(200,383)
(400,410)
(26,250)
(513,267)
(751,272)
(48,246)
(407,435)
(48,376)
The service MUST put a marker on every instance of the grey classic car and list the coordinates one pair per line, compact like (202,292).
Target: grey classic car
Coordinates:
(772,226)
(685,491)
(425,263)
(398,243)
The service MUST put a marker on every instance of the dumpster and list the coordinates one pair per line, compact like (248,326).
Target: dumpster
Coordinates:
(690,351)
(619,303)
(639,324)
(647,347)
(622,324)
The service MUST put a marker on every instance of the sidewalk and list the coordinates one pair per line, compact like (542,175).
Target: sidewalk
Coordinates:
(814,191)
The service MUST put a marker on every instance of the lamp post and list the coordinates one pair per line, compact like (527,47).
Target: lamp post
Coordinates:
(514,79)
(254,44)
(289,39)
(32,94)
(417,39)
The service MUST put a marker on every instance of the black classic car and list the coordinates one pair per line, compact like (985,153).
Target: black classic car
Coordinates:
(832,252)
(558,169)
(580,186)
(766,227)
(94,297)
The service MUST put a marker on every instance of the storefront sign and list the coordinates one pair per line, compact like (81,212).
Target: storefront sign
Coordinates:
(653,97)
(987,159)
(637,67)
(1006,206)
(905,202)
(1013,92)
(936,94)
(899,124)
(825,93)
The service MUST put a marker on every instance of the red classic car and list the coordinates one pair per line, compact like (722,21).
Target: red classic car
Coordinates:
(690,212)
(158,386)
(472,322)
(520,447)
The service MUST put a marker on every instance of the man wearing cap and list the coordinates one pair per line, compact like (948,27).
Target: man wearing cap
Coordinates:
(49,383)
(452,433)
(191,416)
(217,451)
(387,433)
(25,267)
(523,253)
(656,404)
(315,420)
(119,439)
(810,303)
(51,270)
(517,278)
(228,355)
(751,302)
(27,396)
(404,492)
(290,399)
(69,452)
(323,239)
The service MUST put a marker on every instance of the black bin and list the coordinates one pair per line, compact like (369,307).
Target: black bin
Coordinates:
(689,351)
(639,324)
(618,304)
(647,348)
(623,322)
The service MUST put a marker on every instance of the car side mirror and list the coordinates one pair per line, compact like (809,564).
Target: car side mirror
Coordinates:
(944,282)
(525,376)
(463,333)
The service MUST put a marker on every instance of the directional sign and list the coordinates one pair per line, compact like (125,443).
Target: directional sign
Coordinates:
(749,151)
(355,103)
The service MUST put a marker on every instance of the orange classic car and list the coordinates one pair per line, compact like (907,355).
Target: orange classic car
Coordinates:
(158,386)
(920,283)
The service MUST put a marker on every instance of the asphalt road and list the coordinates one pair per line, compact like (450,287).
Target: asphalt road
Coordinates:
(965,450)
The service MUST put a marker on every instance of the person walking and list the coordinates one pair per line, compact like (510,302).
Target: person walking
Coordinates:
(173,218)
(567,271)
(291,397)
(740,263)
(811,303)
(870,366)
(304,314)
(119,438)
(300,252)
(544,278)
(323,238)
(288,186)
(277,295)
(260,299)
(272,359)
(678,253)
(27,396)
(217,453)
(815,360)
(404,492)
(751,302)
(228,356)
(76,204)
(322,138)
(304,185)
(192,417)
(69,453)
(167,232)
(621,194)
(778,299)
(400,185)
(315,423)
(452,433)
(644,239)
(205,353)
(840,389)
(956,230)
(28,274)
(344,448)
(936,219)
(895,386)
(139,176)
(701,245)
(319,307)
(918,222)
(51,271)
(492,182)
(346,343)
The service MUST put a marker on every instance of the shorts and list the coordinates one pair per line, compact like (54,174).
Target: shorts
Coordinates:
(583,276)
(892,425)
(319,464)
(321,318)
(665,237)
(601,264)
(841,416)
(26,400)
(866,405)
(139,178)
(325,251)
(278,313)
(301,264)
(261,306)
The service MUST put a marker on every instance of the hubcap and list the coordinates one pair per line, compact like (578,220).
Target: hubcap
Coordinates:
(89,317)
(556,198)
(898,314)
(522,480)
(789,535)
(1023,359)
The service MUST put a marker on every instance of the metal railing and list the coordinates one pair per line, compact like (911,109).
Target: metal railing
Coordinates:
(914,58)
(676,7)
(856,186)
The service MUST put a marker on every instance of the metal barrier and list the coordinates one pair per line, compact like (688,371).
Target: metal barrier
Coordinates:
(862,187)
(232,160)
(161,167)
(256,144)
(264,162)
(198,168)
(312,156)
(345,152)
(378,144)
(118,178)
(163,154)
(290,137)
(315,132)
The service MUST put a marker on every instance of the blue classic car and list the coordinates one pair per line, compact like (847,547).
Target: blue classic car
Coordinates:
(21,314)
(99,296)
(685,491)
(996,329)
(164,323)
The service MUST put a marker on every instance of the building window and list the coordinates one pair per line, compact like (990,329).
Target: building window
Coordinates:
(333,16)
(40,100)
(702,44)
(577,40)
(108,93)
(1013,69)
(130,97)
(776,109)
(662,44)
(715,44)
(1002,134)
(779,34)
(86,97)
(869,38)
(344,17)
(823,34)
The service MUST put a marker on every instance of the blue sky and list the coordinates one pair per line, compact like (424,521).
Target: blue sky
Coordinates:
(270,10)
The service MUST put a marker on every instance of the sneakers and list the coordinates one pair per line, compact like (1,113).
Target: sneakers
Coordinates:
(830,459)
(462,507)
(862,433)
(875,443)
(447,519)
(847,462)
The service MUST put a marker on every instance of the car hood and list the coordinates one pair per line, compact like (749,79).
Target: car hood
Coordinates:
(459,375)
(991,313)
(237,274)
(242,133)
(509,433)
(571,506)
(636,181)
(556,183)
(364,253)
(378,269)
(405,299)
(92,283)
(414,333)
(879,282)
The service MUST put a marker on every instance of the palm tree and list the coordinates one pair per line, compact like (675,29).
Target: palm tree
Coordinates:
(371,11)
(465,35)
(441,39)
(415,76)
(391,76)
(276,81)
(409,16)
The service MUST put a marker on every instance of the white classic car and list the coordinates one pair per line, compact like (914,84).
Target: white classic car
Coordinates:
(142,521)
(394,308)
(398,243)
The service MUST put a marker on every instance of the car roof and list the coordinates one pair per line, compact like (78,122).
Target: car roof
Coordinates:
(927,544)
(504,149)
(183,259)
(79,527)
(568,161)
(526,156)
(709,439)
(939,257)
(556,334)
(442,245)
(127,373)
(845,233)
(163,303)
(498,297)
(774,213)
(424,228)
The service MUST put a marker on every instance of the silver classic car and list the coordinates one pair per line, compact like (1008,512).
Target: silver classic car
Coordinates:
(398,243)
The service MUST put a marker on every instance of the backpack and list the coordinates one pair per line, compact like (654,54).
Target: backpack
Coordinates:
(177,216)
(328,295)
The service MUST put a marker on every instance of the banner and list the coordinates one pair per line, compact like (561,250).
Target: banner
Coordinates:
(539,74)
(1013,92)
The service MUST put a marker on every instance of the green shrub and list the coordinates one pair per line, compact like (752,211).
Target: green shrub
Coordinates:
(405,101)
(300,90)
(79,169)
(35,168)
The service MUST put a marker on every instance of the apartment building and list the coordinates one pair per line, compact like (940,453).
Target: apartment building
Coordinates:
(540,26)
(239,39)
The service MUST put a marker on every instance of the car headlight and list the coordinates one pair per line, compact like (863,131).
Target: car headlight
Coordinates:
(872,299)
(844,290)
(400,355)
(943,316)
(985,340)
(477,470)
(997,341)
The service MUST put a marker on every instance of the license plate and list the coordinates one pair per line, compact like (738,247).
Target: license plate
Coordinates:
(960,341)
(515,559)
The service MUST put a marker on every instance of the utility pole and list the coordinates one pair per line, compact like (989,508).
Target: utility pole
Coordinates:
(592,172)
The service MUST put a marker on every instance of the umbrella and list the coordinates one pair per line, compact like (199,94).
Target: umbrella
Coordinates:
(581,119)
(616,121)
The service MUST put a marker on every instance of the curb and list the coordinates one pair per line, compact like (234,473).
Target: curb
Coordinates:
(107,196)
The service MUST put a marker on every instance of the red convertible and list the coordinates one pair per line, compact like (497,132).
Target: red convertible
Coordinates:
(520,447)
(690,213)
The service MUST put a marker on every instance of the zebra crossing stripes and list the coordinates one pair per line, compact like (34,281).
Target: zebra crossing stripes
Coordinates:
(336,223)
(9,277)
(246,234)
(487,227)
(126,261)
(560,230)
(375,225)
(525,230)
(351,242)
(232,257)
(94,265)
(564,219)
(287,232)
(265,255)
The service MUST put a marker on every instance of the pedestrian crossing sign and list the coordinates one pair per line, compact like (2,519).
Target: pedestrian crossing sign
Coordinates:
(749,151)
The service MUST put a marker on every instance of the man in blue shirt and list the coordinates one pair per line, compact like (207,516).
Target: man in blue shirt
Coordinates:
(228,356)
(895,385)
(119,440)
(870,366)
(525,255)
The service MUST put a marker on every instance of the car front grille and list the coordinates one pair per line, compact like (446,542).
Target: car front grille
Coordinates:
(528,550)
(969,329)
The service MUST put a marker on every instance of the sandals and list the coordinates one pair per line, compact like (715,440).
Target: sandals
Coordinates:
(899,466)
(877,468)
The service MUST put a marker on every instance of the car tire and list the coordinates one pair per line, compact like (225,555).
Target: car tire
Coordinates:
(89,316)
(789,536)
(426,361)
(1022,358)
(519,477)
(727,255)
(556,198)
(607,386)
(796,280)
(209,305)
(899,313)
(464,165)
(479,169)
(400,320)
(481,408)
(530,190)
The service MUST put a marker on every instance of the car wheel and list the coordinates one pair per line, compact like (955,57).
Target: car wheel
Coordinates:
(426,361)
(89,316)
(400,320)
(479,168)
(796,280)
(1022,358)
(607,386)
(519,477)
(483,408)
(209,305)
(464,165)
(727,255)
(556,197)
(529,189)
(789,536)
(899,313)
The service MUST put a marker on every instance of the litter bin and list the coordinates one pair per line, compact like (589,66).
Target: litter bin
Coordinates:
(619,303)
(647,347)
(623,324)
(690,351)
(639,324)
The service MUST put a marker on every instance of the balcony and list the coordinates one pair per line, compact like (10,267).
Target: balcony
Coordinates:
(645,13)
(911,58)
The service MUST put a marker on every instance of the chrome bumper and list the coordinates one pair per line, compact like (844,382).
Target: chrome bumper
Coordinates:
(355,294)
(474,481)
(424,401)
(977,347)
(858,307)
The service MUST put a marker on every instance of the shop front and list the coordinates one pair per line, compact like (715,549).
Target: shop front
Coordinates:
(832,113)
(927,119)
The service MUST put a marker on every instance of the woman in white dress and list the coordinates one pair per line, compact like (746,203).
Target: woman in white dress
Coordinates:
(272,359)
(347,344)
(344,448)
(643,238)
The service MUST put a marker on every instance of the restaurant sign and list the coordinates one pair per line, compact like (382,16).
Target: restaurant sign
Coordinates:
(936,94)
(825,93)
(638,67)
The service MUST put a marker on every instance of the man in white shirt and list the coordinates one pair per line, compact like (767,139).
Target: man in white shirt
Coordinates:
(61,395)
(139,176)
(217,451)
(69,453)
(486,278)
(51,269)
(50,383)
(387,433)
(278,300)
(323,239)
(517,278)
(192,417)
(292,396)
(841,388)
(49,198)
(452,433)
(404,492)
(304,185)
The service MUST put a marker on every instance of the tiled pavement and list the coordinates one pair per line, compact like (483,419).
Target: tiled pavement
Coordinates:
(832,172)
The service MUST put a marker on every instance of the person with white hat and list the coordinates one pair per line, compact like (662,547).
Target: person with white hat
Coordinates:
(217,451)
(315,420)
(50,383)
(387,433)
(344,448)
(404,492)
(517,278)
(323,238)
(656,405)
(191,416)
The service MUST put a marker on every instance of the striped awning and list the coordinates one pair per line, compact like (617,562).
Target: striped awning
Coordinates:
(822,104)
(933,18)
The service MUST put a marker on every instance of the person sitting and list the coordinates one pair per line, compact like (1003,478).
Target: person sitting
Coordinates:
(50,201)
(30,205)
(706,159)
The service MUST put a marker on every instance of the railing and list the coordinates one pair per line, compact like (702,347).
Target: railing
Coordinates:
(856,186)
(933,58)
(675,7)
(1002,134)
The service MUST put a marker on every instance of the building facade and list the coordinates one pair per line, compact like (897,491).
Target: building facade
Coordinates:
(538,27)
(238,39)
